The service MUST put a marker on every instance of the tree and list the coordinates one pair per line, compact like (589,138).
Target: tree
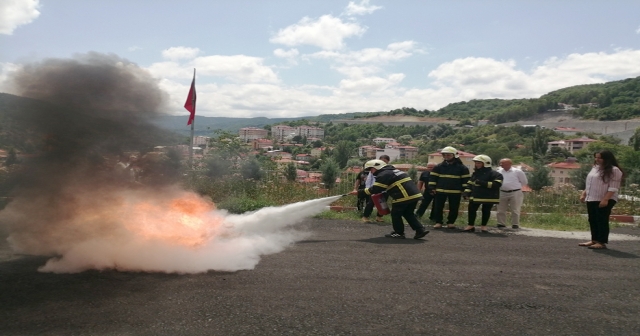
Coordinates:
(579,176)
(634,141)
(251,170)
(556,154)
(342,152)
(413,173)
(354,163)
(290,172)
(330,171)
(405,139)
(538,144)
(217,167)
(540,177)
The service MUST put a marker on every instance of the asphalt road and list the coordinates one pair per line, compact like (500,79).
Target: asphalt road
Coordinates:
(347,280)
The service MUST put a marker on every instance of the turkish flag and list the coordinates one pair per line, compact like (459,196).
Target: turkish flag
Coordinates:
(190,105)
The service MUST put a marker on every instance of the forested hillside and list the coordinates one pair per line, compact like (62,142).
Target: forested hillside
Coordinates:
(609,101)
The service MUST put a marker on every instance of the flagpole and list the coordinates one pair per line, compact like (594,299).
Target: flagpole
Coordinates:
(193,101)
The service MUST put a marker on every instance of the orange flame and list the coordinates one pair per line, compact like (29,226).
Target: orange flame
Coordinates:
(187,220)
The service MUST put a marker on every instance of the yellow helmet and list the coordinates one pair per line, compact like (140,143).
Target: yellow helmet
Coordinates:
(484,159)
(450,150)
(377,164)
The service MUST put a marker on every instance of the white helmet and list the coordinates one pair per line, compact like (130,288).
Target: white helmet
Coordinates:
(377,164)
(484,159)
(450,150)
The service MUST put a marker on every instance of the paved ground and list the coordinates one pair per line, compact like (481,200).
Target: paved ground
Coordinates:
(347,280)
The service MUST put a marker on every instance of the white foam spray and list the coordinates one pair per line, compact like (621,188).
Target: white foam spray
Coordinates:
(140,232)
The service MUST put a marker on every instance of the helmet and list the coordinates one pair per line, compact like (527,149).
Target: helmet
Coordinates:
(450,150)
(484,159)
(377,164)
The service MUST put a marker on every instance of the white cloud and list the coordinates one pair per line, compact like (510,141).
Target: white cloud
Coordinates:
(6,69)
(360,9)
(481,78)
(179,53)
(134,48)
(368,85)
(364,89)
(291,53)
(14,13)
(327,32)
(238,68)
(638,30)
(393,52)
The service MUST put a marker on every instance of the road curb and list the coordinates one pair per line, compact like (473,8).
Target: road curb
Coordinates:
(623,219)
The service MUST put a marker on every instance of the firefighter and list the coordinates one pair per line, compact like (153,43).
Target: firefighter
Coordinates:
(447,182)
(404,192)
(483,190)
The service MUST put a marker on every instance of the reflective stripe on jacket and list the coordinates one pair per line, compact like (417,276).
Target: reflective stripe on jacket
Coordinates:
(484,186)
(396,183)
(449,178)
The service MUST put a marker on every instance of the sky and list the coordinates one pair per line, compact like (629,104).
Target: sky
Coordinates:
(294,58)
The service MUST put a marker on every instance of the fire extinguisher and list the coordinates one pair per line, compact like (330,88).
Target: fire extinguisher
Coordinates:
(381,204)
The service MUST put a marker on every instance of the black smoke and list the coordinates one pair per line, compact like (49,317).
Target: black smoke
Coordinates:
(96,108)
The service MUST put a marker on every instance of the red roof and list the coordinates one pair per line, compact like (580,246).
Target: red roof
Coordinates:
(564,165)
(581,140)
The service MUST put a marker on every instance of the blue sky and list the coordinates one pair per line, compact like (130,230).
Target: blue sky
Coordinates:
(294,58)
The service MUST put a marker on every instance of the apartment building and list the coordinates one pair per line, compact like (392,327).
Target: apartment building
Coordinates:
(248,134)
(572,145)
(560,171)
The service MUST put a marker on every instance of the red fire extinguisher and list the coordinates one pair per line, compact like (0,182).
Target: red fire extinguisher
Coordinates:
(381,204)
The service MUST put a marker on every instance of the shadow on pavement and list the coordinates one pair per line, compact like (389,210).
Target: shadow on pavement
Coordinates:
(492,235)
(385,240)
(617,254)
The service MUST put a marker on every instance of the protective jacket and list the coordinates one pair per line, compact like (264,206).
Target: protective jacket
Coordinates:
(449,178)
(484,186)
(396,183)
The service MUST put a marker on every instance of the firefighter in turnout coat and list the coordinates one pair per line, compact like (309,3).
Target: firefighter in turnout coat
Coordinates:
(484,190)
(404,192)
(447,182)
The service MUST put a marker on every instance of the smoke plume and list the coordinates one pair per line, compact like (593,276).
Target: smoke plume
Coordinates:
(68,203)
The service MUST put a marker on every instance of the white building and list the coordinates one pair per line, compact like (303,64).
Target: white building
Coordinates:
(248,134)
(310,132)
(201,140)
(378,141)
(282,132)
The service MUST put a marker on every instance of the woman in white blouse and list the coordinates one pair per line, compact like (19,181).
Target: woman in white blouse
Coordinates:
(601,194)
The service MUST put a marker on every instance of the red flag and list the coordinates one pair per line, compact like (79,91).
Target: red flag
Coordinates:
(190,105)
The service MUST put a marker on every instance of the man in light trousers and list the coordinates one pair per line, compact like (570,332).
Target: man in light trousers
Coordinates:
(511,195)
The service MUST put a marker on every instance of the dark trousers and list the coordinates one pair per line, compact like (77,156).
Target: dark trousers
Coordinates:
(368,208)
(438,207)
(399,210)
(473,211)
(599,221)
(427,198)
(361,202)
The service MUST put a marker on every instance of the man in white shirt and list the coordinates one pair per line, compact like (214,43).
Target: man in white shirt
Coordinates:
(511,195)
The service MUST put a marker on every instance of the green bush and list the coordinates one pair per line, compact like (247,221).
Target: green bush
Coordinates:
(242,204)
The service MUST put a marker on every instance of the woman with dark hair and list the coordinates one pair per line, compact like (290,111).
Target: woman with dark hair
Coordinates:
(601,194)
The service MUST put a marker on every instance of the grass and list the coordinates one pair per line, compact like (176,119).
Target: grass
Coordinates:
(550,221)
(559,209)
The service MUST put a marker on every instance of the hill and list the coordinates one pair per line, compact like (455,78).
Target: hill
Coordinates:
(618,100)
(207,125)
